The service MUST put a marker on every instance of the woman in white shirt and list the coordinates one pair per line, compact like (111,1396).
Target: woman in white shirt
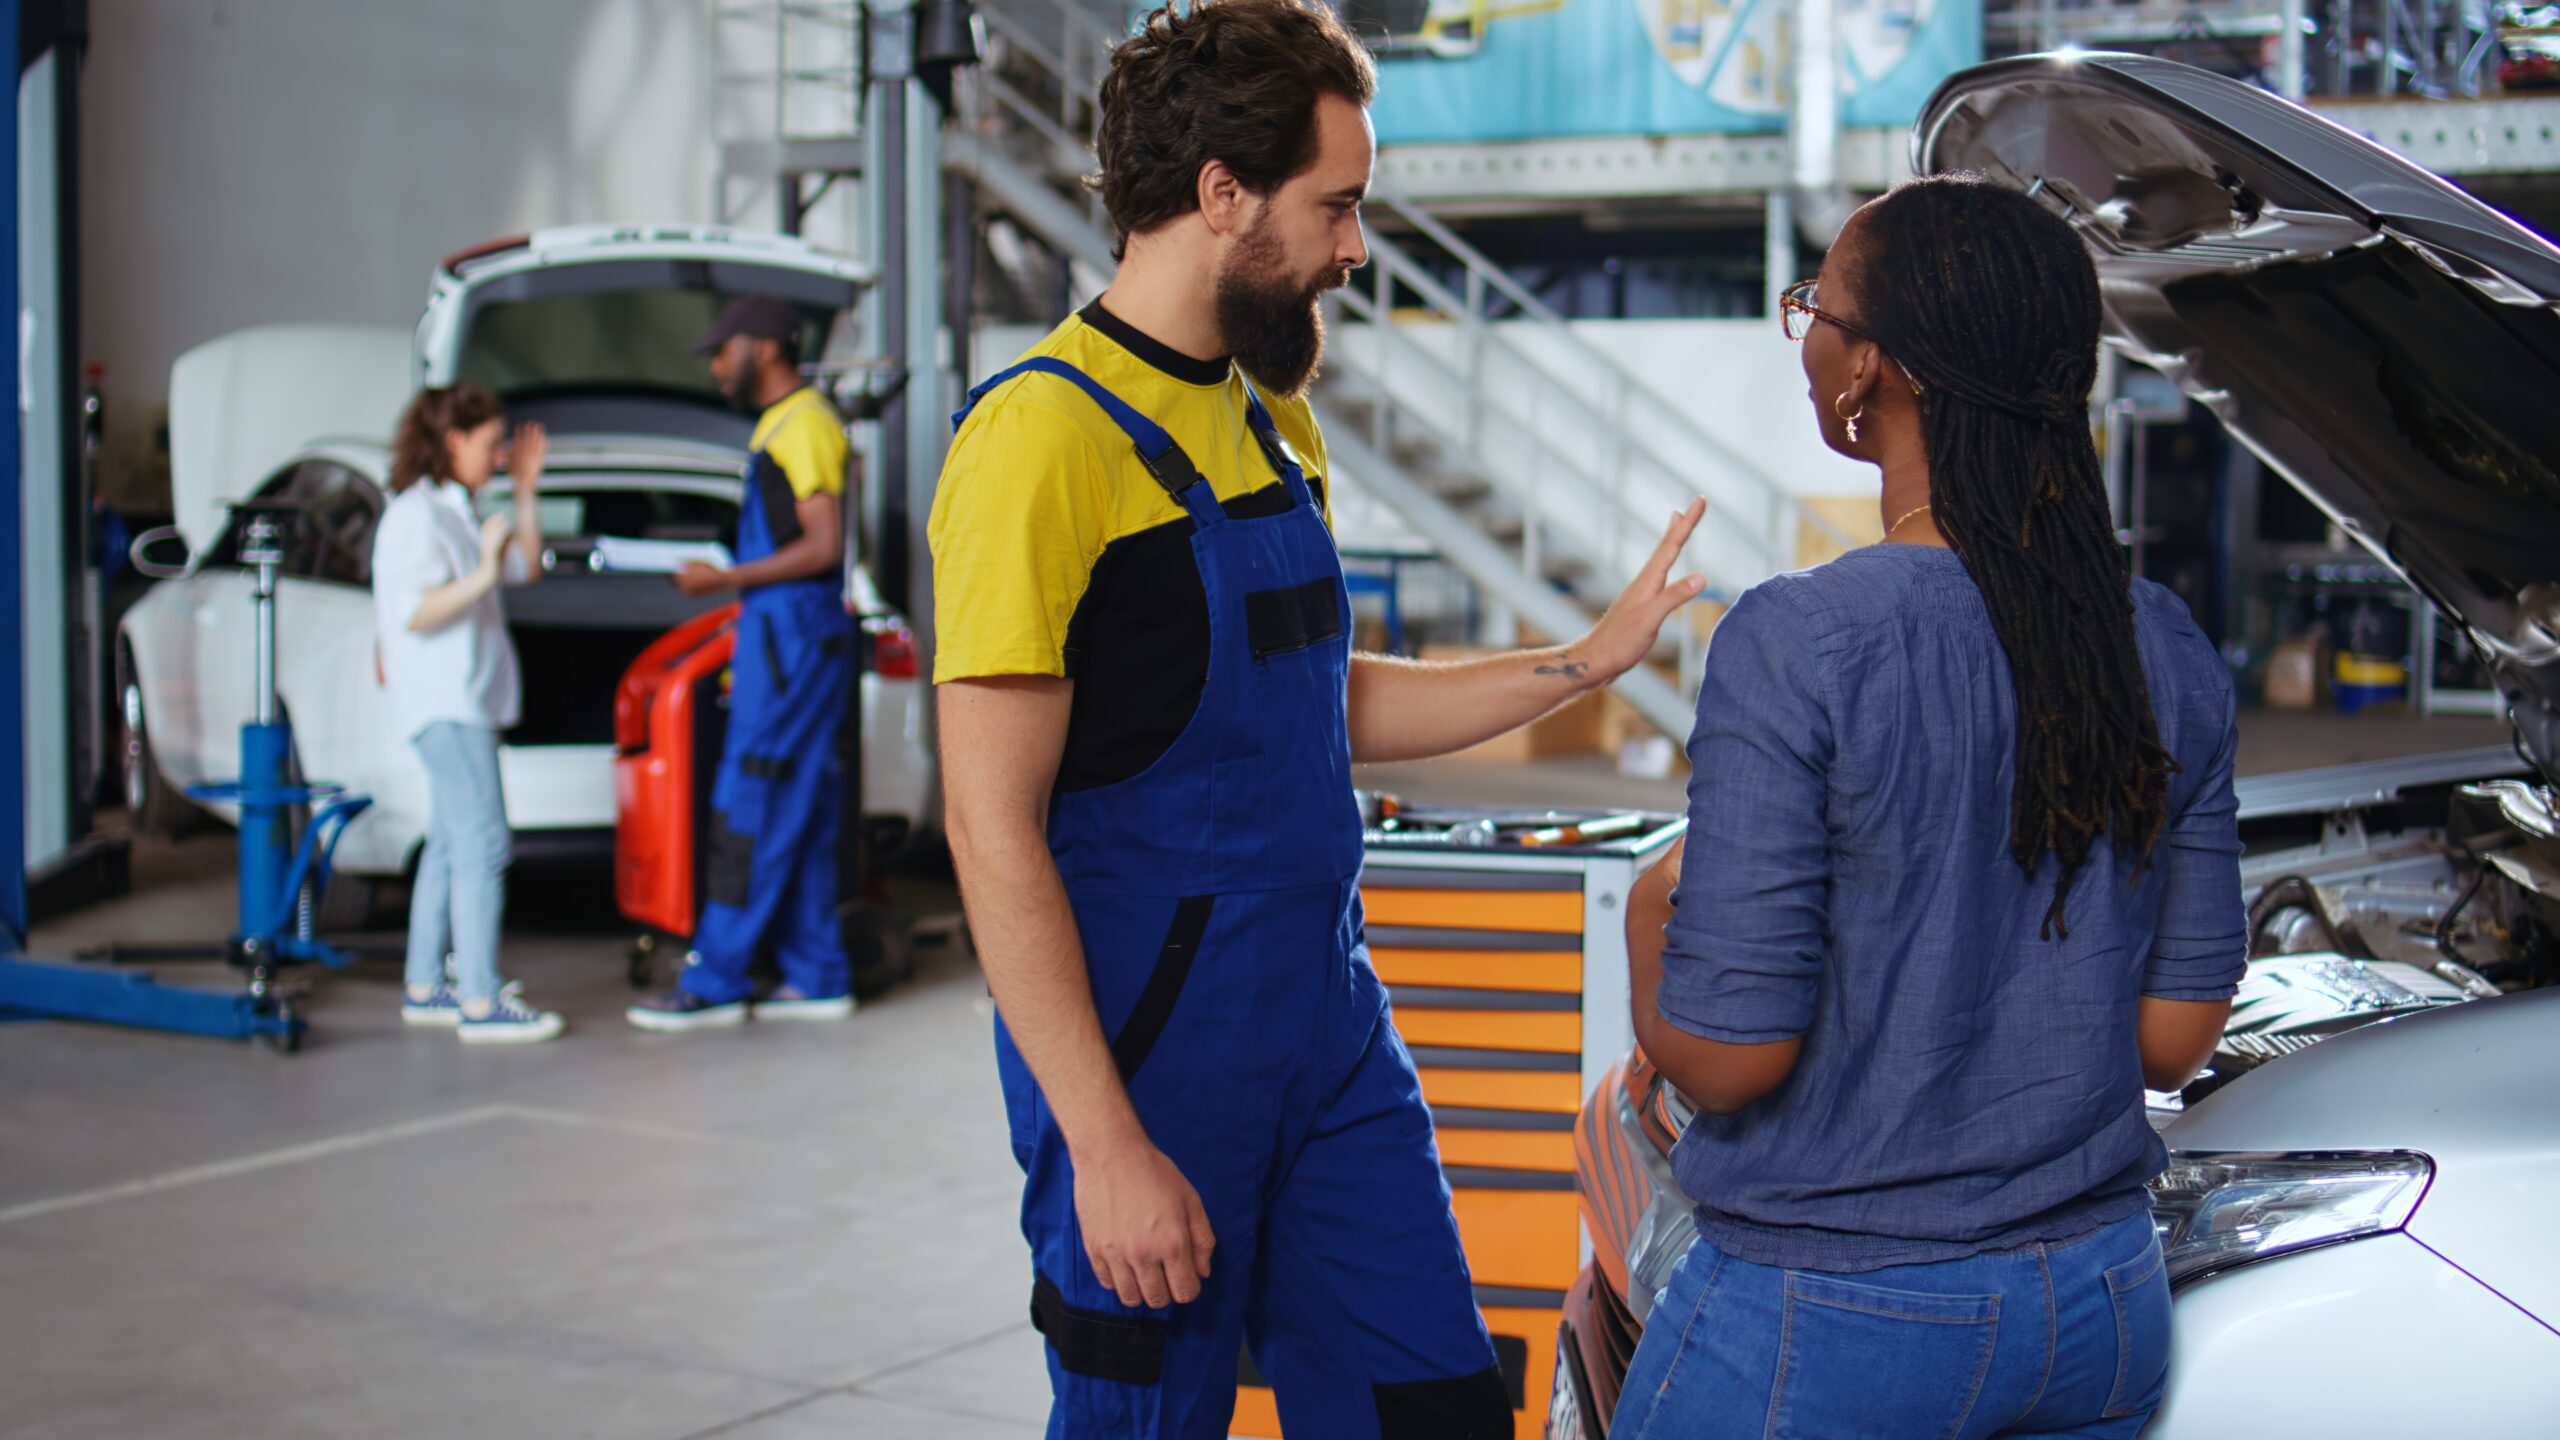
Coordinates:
(453,684)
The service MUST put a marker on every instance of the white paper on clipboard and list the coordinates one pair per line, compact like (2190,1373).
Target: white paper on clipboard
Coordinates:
(655,557)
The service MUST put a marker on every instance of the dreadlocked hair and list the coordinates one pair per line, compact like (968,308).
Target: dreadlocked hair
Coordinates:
(1990,305)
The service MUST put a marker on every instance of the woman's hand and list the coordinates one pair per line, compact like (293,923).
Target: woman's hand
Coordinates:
(454,598)
(1625,635)
(494,534)
(525,454)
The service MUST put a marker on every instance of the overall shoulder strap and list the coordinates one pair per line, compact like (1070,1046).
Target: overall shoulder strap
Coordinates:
(1267,433)
(1157,451)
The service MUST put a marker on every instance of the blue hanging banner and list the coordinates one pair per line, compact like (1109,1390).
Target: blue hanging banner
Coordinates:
(1466,70)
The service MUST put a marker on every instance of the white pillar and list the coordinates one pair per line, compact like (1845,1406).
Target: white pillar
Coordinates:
(2290,80)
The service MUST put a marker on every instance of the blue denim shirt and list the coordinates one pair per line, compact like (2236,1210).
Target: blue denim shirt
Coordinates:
(1965,1084)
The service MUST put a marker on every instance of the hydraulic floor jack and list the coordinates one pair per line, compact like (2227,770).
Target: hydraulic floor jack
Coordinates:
(280,881)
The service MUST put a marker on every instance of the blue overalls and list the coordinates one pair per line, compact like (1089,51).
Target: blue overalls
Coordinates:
(1217,898)
(778,802)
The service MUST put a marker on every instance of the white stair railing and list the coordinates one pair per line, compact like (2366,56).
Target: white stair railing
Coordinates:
(1654,427)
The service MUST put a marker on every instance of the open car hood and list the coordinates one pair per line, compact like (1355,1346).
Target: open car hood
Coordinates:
(243,404)
(2382,340)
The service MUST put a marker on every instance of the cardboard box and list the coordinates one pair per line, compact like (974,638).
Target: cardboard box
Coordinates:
(2297,673)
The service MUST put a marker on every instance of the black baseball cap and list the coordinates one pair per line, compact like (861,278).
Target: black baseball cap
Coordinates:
(763,317)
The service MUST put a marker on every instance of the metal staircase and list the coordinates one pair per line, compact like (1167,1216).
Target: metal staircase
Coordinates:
(1533,460)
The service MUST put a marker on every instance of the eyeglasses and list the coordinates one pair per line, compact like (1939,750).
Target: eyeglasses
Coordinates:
(1799,305)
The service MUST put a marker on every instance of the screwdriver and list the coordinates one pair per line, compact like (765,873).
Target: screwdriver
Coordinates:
(1585,832)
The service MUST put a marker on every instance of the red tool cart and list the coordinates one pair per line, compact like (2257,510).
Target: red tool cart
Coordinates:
(670,719)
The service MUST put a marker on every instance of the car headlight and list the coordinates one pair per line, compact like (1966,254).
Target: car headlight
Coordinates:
(2217,1211)
(1564,1400)
(1669,1224)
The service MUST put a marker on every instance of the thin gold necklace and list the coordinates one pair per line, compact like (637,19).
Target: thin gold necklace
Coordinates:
(1896,525)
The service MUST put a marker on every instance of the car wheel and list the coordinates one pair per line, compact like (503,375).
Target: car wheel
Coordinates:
(156,806)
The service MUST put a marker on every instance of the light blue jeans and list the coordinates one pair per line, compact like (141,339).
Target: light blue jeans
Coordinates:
(461,891)
(2067,1338)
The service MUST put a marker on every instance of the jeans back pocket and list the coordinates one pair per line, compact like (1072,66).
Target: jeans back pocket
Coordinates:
(2140,1289)
(1866,1360)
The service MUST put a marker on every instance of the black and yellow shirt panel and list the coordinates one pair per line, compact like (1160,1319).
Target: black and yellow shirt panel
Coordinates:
(1056,552)
(799,450)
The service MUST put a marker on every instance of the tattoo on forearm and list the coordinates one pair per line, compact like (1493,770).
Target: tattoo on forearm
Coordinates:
(1569,669)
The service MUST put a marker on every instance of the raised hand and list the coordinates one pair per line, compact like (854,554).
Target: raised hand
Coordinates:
(1625,635)
(525,454)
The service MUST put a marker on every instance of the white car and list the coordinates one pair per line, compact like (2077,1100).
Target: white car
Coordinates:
(583,330)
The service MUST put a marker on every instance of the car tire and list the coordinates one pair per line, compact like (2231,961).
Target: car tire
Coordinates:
(155,806)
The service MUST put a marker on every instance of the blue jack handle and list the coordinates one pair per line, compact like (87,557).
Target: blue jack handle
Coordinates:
(319,846)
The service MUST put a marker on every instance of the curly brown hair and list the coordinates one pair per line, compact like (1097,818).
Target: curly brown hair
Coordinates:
(1232,80)
(418,451)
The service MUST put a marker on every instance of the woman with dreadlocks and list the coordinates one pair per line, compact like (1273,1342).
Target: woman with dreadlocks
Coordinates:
(1962,880)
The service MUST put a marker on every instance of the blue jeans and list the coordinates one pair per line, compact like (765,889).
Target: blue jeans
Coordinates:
(2067,1338)
(461,890)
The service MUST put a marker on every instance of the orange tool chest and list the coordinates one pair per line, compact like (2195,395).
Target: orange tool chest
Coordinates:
(1507,966)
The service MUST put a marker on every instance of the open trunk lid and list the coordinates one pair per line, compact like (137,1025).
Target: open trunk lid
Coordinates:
(588,329)
(2384,341)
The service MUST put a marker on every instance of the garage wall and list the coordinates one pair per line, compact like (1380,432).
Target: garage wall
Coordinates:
(256,161)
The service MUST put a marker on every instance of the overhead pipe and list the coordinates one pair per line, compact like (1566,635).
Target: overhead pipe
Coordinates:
(1821,202)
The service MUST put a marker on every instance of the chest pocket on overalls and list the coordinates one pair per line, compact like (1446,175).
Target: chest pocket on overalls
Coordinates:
(1283,622)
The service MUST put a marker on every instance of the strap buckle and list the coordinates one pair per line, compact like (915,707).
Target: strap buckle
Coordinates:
(1173,469)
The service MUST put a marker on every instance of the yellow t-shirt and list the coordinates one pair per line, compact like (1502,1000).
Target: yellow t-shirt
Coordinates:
(806,439)
(1056,553)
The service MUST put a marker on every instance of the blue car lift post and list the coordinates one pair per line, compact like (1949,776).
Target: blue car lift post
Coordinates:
(280,878)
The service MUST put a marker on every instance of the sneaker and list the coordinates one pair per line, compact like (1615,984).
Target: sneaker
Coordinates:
(789,1004)
(440,1008)
(681,1009)
(511,1022)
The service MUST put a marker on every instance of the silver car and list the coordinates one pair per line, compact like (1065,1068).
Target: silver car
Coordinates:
(2359,1211)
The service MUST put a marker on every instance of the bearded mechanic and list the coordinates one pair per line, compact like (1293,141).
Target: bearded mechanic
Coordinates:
(1149,711)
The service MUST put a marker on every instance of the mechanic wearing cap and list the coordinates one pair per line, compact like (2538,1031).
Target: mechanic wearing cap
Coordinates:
(778,804)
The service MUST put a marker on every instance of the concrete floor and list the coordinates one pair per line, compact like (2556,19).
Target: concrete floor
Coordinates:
(774,1232)
(771,1233)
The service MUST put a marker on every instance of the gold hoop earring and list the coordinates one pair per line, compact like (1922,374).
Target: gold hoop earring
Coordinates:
(1851,420)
